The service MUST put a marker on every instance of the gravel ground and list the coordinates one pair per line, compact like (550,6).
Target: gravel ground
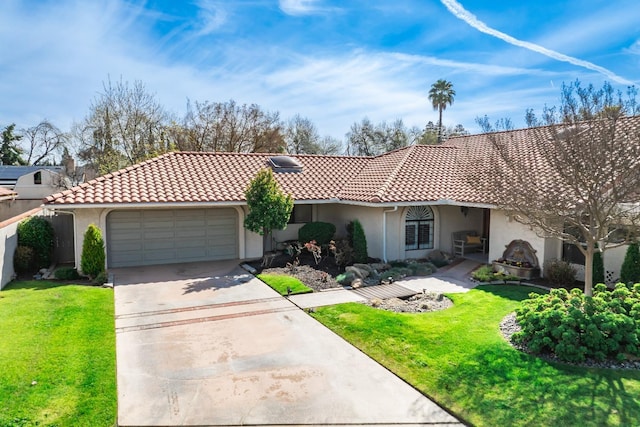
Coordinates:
(509,326)
(418,303)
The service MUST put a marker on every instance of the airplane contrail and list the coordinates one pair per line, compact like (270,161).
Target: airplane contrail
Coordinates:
(461,13)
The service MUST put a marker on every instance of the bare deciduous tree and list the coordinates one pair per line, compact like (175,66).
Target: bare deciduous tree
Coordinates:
(226,126)
(42,141)
(125,125)
(574,177)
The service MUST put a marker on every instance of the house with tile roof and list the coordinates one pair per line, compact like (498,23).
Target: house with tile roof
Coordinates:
(190,206)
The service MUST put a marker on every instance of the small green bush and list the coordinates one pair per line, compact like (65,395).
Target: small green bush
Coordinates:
(24,259)
(484,274)
(101,278)
(346,278)
(360,253)
(575,327)
(560,273)
(66,273)
(397,273)
(37,233)
(630,271)
(93,258)
(439,262)
(398,263)
(421,269)
(321,232)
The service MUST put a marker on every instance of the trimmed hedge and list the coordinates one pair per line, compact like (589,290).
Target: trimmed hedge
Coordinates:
(574,327)
(37,233)
(321,232)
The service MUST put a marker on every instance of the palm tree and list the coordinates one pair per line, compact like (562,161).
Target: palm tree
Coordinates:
(441,94)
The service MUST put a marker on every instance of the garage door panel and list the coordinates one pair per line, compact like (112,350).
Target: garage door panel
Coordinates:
(148,237)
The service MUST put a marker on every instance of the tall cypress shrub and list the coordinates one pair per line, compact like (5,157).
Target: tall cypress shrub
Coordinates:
(630,271)
(598,268)
(359,243)
(93,257)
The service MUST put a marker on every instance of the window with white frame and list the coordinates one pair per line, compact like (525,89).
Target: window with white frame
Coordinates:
(419,228)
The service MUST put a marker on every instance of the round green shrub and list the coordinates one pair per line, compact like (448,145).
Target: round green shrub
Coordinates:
(321,232)
(93,257)
(24,259)
(37,233)
(574,327)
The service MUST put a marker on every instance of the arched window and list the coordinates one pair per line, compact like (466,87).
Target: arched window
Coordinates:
(419,228)
(37,177)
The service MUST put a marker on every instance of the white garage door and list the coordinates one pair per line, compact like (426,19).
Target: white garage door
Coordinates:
(147,237)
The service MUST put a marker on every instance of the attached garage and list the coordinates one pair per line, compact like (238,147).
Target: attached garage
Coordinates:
(148,237)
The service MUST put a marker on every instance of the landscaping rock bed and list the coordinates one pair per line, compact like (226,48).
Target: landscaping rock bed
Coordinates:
(317,280)
(419,303)
(509,326)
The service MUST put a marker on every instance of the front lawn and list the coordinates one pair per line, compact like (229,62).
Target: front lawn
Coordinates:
(459,358)
(57,355)
(285,285)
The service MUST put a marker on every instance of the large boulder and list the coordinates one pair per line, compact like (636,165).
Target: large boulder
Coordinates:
(360,273)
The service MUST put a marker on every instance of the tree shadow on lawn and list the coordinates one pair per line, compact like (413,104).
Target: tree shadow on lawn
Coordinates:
(510,291)
(41,285)
(507,387)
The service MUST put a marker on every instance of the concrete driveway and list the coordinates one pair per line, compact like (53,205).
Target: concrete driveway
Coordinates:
(208,344)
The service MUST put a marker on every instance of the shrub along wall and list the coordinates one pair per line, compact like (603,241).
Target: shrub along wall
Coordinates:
(9,243)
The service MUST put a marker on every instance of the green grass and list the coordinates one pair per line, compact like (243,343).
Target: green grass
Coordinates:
(281,283)
(459,358)
(62,338)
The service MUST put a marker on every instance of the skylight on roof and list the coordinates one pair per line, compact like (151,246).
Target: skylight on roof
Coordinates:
(285,164)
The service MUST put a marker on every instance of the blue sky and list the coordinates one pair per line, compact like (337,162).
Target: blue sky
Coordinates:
(334,62)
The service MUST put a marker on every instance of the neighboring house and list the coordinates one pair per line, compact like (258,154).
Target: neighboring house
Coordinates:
(31,184)
(187,206)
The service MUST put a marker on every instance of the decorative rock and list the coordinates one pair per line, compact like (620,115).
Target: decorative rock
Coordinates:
(379,266)
(357,283)
(360,273)
(438,255)
(364,267)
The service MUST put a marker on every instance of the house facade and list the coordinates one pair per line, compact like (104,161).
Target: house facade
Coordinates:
(188,206)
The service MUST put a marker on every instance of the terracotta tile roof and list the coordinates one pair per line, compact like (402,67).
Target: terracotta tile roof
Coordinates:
(415,173)
(7,193)
(211,177)
(411,174)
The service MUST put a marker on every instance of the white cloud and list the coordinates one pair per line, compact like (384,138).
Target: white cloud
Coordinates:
(300,7)
(212,17)
(461,13)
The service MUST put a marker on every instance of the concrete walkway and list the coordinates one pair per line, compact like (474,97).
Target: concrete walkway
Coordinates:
(208,344)
(451,279)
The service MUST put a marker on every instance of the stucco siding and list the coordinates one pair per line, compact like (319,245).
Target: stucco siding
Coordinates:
(28,189)
(504,230)
(453,220)
(370,218)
